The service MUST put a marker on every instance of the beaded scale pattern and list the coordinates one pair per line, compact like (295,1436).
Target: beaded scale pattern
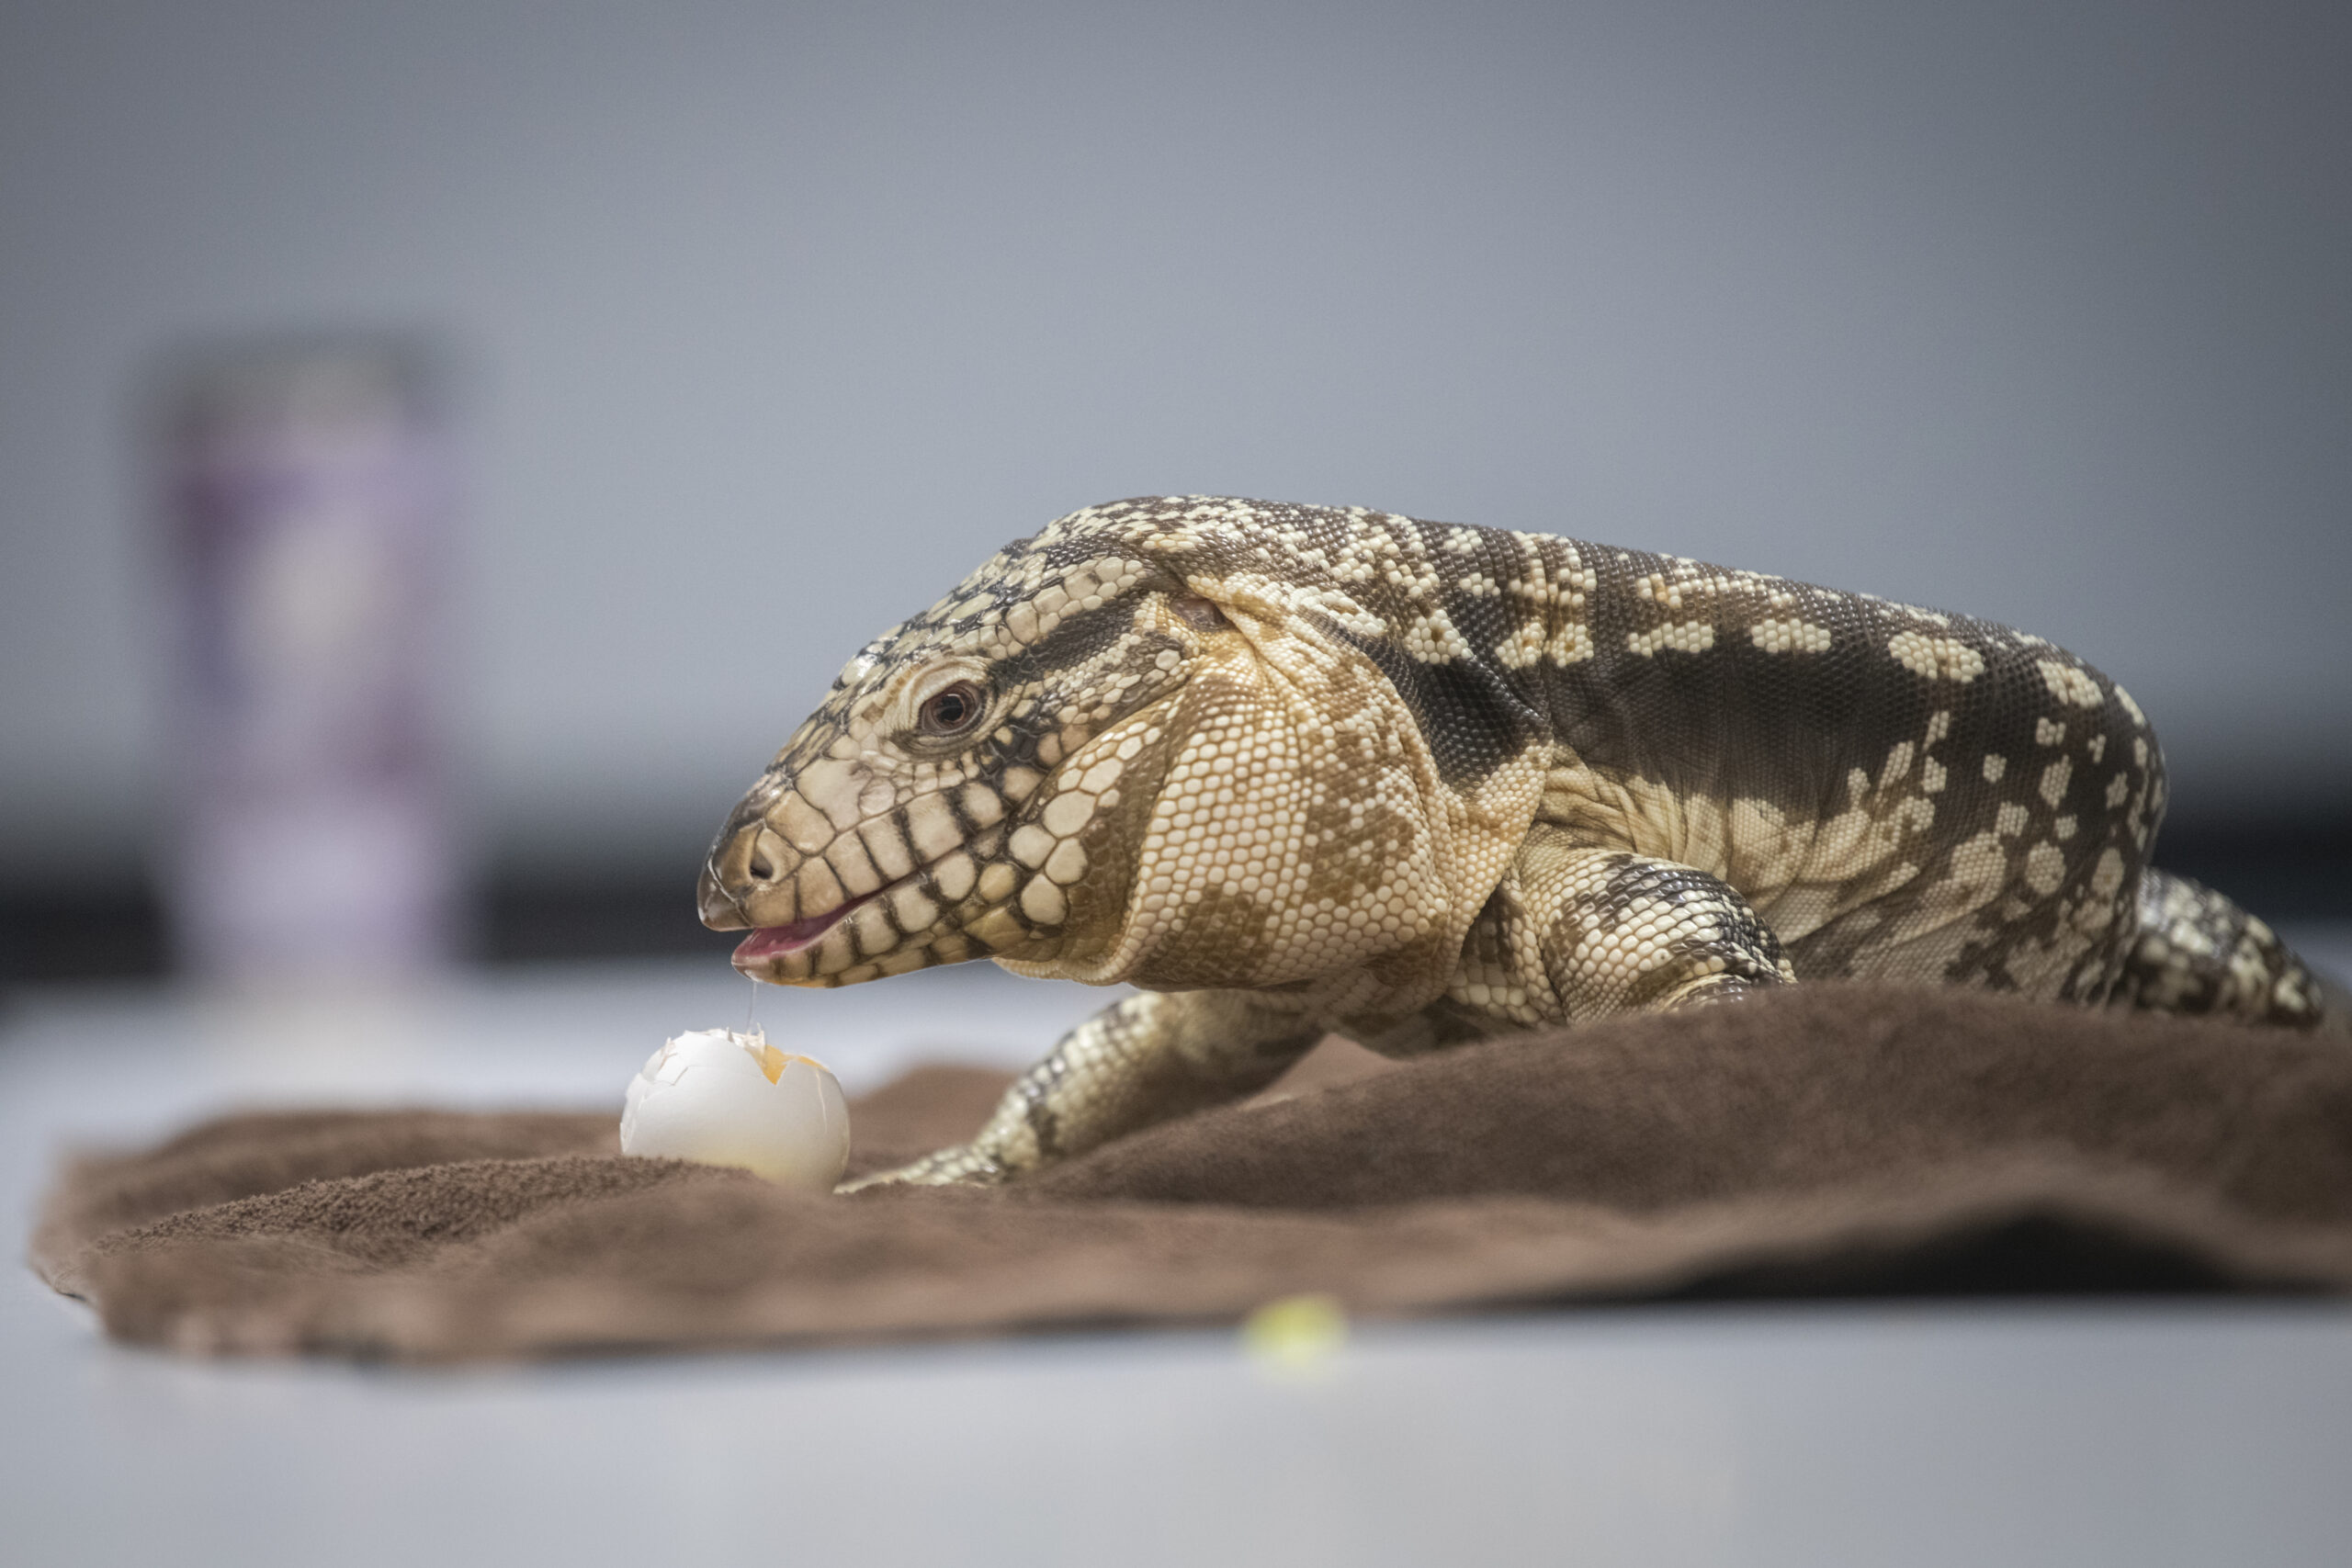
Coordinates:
(1293,770)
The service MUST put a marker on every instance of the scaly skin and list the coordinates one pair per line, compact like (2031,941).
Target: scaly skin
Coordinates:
(1296,769)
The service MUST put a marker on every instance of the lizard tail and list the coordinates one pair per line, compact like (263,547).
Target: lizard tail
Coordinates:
(2197,952)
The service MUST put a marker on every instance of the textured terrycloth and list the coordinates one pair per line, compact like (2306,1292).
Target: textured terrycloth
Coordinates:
(1820,1140)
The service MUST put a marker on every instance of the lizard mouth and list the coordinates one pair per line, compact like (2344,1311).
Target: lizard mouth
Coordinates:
(768,943)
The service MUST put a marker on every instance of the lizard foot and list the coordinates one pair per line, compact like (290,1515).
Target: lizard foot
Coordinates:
(960,1166)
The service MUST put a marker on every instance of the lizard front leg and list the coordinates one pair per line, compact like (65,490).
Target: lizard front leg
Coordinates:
(1144,1059)
(1621,932)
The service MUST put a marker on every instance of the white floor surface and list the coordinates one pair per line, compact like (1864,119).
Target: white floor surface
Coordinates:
(2141,1433)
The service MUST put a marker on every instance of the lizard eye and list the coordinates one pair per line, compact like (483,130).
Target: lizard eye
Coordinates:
(951,710)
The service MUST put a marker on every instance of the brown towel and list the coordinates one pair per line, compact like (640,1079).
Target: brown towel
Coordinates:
(1823,1140)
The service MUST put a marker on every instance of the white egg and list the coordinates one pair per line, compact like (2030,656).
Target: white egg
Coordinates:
(728,1099)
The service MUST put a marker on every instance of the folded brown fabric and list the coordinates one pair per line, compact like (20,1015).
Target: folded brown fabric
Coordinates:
(1821,1140)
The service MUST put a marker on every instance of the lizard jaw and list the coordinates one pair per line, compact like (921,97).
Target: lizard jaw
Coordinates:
(768,943)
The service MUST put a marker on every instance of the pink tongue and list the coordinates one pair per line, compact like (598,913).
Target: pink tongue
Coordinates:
(771,942)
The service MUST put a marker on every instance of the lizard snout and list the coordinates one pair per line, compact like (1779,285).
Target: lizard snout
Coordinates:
(728,880)
(750,878)
(834,903)
(719,909)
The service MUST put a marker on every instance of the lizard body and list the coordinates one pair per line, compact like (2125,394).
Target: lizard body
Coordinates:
(1295,770)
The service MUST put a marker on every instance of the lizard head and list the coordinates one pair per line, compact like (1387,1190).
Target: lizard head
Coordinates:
(966,787)
(1121,749)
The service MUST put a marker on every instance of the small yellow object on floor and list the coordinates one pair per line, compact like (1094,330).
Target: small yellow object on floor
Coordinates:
(1292,1334)
(722,1098)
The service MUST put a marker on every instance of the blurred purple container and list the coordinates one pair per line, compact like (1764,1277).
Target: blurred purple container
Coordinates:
(307,488)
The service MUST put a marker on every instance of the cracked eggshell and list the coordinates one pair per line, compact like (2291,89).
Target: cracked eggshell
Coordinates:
(728,1099)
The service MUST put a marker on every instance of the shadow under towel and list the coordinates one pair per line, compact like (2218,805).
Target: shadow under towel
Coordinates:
(1825,1140)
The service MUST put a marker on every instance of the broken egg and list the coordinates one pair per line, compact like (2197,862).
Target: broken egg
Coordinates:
(728,1099)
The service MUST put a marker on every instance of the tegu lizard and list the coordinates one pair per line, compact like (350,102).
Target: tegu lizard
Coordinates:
(1296,769)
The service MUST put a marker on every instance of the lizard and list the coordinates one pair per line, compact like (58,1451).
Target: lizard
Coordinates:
(1292,771)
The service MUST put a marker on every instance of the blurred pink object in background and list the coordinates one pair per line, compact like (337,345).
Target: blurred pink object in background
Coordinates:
(307,490)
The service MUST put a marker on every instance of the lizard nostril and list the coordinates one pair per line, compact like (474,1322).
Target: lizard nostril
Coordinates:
(762,866)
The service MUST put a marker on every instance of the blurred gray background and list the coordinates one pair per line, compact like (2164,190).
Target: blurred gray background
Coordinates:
(775,319)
